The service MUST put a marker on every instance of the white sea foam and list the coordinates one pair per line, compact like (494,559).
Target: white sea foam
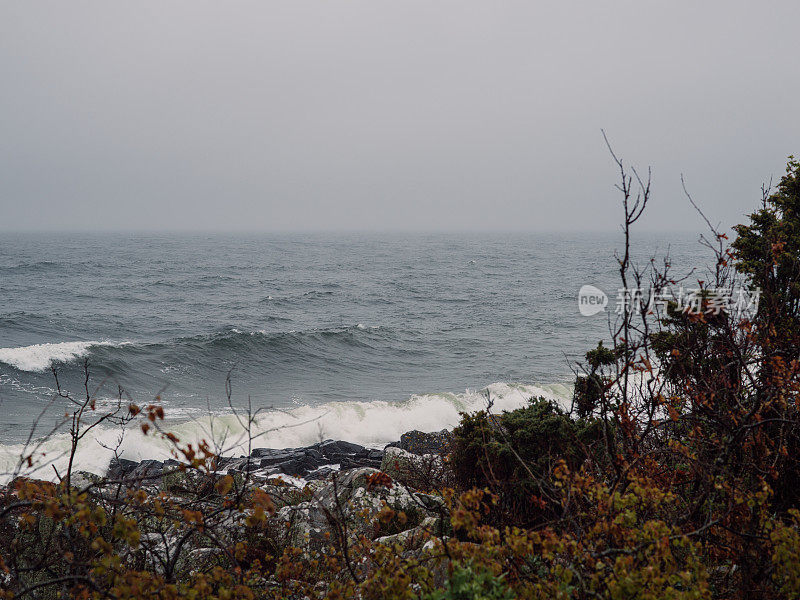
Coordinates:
(39,357)
(371,424)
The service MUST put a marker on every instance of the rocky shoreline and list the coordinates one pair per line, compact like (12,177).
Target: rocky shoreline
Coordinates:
(316,462)
(313,489)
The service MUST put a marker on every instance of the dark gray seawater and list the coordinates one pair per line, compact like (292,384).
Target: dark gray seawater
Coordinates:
(303,320)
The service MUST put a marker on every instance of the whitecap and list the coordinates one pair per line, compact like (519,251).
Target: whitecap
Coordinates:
(40,357)
(372,424)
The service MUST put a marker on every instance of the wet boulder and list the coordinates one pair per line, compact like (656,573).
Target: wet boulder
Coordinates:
(419,442)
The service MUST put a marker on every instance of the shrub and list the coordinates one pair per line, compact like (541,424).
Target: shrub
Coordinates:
(470,583)
(514,455)
(589,388)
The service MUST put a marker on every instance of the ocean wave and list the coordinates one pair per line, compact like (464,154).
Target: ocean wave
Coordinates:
(372,424)
(317,294)
(31,267)
(377,423)
(25,386)
(27,322)
(239,340)
(40,357)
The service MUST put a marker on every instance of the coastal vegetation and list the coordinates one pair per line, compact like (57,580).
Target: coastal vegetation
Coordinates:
(675,475)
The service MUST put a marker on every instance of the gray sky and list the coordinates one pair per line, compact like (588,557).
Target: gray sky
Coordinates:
(374,115)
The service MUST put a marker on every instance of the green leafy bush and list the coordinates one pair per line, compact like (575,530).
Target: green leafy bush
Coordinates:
(470,583)
(514,454)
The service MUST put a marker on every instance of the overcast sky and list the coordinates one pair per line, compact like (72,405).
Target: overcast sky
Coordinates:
(376,115)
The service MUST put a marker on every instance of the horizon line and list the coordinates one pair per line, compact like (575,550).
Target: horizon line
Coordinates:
(404,231)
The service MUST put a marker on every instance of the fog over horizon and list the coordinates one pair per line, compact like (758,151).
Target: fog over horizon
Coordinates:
(379,116)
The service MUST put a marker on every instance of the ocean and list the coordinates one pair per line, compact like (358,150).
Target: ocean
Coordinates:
(349,336)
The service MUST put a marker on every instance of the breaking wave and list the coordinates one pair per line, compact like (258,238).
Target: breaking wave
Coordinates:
(225,343)
(40,357)
(371,424)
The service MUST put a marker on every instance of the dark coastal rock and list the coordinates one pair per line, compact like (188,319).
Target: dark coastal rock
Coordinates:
(270,456)
(234,465)
(136,474)
(300,462)
(317,462)
(291,461)
(119,467)
(147,470)
(355,462)
(226,461)
(320,474)
(334,448)
(419,442)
